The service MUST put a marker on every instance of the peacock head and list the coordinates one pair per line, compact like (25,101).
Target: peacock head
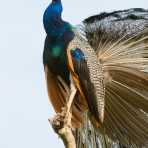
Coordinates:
(54,9)
(52,14)
(56,0)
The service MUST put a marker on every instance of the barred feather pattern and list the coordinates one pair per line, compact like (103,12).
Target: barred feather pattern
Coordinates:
(125,65)
(95,72)
(123,53)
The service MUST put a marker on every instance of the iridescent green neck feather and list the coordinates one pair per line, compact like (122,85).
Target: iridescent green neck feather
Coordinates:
(59,34)
(59,31)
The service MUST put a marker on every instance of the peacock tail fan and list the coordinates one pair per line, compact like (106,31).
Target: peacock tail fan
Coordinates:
(120,40)
(88,136)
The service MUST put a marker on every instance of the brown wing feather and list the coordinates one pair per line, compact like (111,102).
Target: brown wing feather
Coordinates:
(80,74)
(57,95)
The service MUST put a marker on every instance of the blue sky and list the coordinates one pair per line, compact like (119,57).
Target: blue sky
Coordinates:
(24,106)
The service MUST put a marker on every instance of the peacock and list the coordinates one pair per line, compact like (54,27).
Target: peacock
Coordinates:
(102,65)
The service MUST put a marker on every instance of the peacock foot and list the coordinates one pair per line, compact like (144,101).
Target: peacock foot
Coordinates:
(61,124)
(60,120)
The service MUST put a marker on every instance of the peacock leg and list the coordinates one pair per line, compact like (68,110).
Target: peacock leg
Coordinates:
(61,123)
(73,91)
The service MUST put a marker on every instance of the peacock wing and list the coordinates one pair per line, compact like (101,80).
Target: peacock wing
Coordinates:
(120,40)
(58,92)
(84,83)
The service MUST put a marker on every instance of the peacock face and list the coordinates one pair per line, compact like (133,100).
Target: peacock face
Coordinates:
(54,10)
(53,0)
(56,7)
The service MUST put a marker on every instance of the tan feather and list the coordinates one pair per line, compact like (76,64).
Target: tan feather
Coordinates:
(58,92)
(125,66)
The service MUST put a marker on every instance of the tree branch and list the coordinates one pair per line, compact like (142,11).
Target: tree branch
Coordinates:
(61,123)
(62,126)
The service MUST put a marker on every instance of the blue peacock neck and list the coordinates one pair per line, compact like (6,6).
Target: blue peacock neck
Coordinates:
(59,34)
(52,19)
(54,26)
(59,31)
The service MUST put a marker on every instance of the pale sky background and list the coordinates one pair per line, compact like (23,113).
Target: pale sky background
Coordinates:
(24,106)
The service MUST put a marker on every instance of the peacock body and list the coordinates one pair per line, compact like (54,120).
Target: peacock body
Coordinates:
(108,57)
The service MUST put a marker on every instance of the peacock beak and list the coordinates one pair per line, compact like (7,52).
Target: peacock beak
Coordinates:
(56,0)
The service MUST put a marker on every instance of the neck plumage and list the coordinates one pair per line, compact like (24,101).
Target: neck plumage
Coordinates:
(52,18)
(59,34)
(58,31)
